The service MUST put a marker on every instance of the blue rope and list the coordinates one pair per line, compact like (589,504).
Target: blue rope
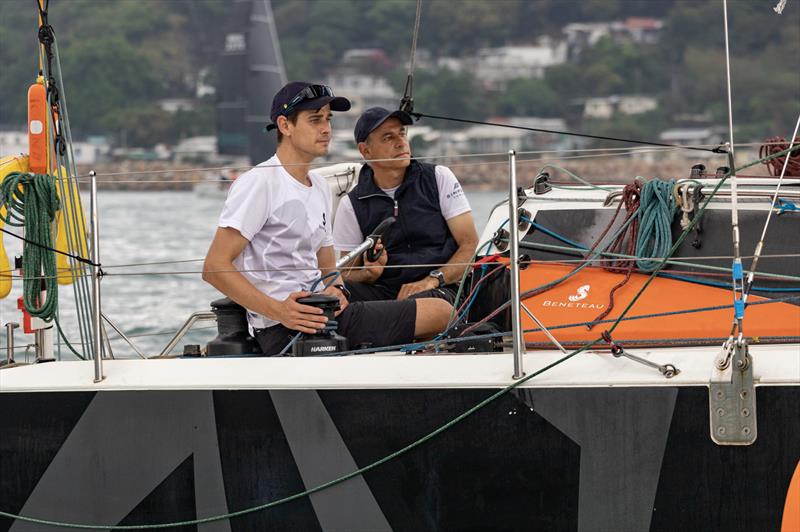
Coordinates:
(441,335)
(553,234)
(725,285)
(785,205)
(398,347)
(290,344)
(666,275)
(334,274)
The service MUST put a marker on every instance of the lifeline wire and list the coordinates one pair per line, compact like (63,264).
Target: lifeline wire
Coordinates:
(566,133)
(48,248)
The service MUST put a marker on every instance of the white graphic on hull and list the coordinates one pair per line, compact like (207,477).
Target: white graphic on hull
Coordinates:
(583,291)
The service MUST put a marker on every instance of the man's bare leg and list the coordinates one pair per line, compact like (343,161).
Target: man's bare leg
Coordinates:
(432,317)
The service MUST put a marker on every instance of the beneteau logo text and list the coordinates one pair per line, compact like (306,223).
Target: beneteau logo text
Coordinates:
(581,294)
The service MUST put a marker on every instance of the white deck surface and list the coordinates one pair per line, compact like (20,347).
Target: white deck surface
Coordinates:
(774,365)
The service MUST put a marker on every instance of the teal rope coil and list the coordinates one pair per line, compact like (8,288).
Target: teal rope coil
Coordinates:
(656,212)
(31,202)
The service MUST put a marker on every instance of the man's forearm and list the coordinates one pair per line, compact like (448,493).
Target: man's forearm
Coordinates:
(455,267)
(358,274)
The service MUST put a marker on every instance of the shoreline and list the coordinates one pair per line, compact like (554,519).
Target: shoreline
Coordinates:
(473,175)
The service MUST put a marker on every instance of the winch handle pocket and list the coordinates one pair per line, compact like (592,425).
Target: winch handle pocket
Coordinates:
(377,234)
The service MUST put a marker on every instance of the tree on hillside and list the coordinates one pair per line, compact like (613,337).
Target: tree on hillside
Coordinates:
(107,75)
(448,93)
(529,97)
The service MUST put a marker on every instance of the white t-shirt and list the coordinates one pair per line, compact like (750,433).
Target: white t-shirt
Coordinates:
(286,223)
(452,202)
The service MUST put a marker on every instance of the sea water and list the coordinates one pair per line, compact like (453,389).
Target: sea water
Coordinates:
(152,245)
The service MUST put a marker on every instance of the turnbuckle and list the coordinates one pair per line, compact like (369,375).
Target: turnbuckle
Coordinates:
(667,370)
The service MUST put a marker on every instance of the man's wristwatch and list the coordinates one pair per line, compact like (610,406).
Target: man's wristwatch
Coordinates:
(439,276)
(343,289)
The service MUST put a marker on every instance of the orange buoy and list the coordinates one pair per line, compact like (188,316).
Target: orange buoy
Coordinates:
(37,128)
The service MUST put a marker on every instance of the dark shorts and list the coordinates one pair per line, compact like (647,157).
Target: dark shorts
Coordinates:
(364,324)
(379,292)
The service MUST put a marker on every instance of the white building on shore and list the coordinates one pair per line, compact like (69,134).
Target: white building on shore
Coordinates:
(91,151)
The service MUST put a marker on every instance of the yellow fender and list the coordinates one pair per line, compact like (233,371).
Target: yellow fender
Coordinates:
(8,165)
(68,214)
(5,266)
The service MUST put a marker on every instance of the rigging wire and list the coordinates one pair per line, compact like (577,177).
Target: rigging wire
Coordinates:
(737,269)
(760,245)
(407,102)
(65,171)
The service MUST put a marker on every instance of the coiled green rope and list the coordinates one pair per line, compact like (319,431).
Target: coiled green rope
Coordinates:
(656,211)
(31,202)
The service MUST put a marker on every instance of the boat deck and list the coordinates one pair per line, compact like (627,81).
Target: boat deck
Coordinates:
(773,365)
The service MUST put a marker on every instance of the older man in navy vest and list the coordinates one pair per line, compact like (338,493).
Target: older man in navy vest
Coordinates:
(434,235)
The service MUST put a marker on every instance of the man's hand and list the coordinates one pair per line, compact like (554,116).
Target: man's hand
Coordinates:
(375,269)
(299,317)
(409,289)
(334,291)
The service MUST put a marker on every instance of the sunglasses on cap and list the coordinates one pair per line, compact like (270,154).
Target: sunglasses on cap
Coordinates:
(309,93)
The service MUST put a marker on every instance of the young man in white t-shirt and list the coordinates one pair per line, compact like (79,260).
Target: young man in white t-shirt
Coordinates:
(434,234)
(274,239)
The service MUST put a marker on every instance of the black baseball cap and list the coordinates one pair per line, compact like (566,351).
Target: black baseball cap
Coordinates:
(374,117)
(299,95)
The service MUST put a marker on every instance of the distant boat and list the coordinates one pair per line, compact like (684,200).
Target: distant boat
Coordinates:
(250,69)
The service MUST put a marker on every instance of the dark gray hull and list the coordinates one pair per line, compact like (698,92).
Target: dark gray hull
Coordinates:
(534,459)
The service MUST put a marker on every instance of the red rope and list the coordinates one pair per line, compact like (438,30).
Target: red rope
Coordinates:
(625,243)
(775,166)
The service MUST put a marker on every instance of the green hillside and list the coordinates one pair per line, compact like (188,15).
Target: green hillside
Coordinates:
(120,57)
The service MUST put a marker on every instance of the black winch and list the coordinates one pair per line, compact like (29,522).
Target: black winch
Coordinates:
(327,340)
(233,337)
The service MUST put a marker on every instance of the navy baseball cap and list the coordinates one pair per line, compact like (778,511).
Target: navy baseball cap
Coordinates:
(374,117)
(299,95)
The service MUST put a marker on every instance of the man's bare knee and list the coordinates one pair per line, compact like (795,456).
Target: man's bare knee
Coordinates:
(432,317)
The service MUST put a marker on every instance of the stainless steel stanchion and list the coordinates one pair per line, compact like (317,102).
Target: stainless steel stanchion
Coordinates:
(9,361)
(518,341)
(96,274)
